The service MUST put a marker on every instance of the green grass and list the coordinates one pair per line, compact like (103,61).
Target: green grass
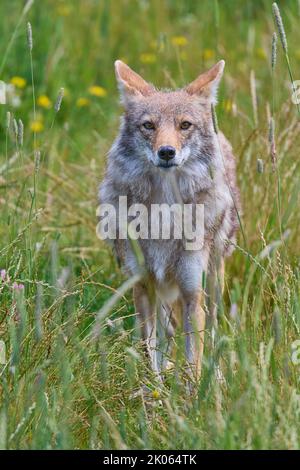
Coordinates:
(58,389)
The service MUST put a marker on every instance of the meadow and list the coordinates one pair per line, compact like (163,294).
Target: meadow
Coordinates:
(59,387)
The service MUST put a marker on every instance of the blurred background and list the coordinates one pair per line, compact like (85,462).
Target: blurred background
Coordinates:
(76,43)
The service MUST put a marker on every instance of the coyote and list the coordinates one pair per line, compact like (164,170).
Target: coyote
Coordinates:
(168,147)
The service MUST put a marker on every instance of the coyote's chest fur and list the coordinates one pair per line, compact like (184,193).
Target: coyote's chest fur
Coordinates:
(211,185)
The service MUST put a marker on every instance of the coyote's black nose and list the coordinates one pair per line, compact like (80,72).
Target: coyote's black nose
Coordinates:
(166,152)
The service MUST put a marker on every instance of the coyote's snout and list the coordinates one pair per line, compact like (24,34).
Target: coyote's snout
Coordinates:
(168,150)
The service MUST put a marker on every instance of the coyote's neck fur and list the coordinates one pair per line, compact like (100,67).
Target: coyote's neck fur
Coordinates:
(209,179)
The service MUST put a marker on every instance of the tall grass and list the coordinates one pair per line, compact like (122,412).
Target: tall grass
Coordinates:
(63,387)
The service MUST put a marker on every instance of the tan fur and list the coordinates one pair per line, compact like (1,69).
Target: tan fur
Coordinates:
(204,173)
(202,84)
(146,313)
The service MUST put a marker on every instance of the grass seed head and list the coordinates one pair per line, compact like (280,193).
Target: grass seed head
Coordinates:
(20,132)
(254,97)
(8,117)
(272,142)
(274,51)
(214,119)
(260,165)
(59,100)
(271,130)
(29,36)
(279,23)
(16,129)
(37,159)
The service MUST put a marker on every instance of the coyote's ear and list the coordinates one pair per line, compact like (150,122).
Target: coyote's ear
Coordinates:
(207,83)
(130,83)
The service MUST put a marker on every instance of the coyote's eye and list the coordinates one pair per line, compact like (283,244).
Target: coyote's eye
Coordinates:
(149,125)
(185,125)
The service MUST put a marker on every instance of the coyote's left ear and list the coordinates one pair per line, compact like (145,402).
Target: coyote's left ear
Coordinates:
(207,83)
(130,83)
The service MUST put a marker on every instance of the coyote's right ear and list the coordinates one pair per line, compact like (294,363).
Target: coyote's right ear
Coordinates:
(130,83)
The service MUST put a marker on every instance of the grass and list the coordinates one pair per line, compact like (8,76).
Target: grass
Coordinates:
(58,387)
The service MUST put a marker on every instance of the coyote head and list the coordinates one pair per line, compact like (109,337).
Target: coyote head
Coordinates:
(167,128)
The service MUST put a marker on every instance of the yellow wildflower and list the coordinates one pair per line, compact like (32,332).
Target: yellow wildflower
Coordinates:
(261,53)
(36,126)
(44,101)
(64,10)
(148,58)
(153,44)
(18,82)
(96,90)
(227,105)
(155,394)
(180,41)
(208,54)
(82,102)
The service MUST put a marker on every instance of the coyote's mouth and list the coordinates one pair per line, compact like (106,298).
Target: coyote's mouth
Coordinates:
(167,165)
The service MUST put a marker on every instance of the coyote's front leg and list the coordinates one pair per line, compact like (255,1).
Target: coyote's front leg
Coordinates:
(192,270)
(145,306)
(214,289)
(194,325)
